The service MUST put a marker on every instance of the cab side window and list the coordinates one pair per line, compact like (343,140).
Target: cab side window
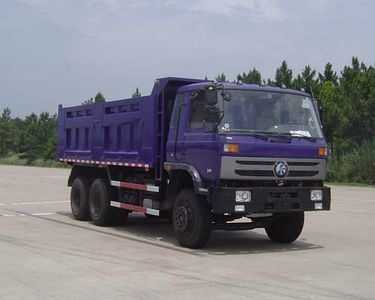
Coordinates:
(180,99)
(197,110)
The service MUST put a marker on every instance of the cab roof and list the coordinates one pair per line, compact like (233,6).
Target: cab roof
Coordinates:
(239,86)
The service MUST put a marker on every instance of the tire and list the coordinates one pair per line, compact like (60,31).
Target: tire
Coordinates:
(79,195)
(286,228)
(102,214)
(191,220)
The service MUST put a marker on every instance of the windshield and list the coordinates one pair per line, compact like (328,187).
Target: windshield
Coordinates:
(268,112)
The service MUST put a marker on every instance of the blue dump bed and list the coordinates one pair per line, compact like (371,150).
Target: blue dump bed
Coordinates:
(130,131)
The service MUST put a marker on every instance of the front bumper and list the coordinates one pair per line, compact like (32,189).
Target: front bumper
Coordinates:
(269,200)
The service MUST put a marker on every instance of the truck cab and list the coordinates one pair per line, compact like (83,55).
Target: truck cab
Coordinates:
(251,151)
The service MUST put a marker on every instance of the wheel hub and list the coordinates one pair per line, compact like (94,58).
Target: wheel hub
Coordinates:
(182,218)
(76,200)
(96,206)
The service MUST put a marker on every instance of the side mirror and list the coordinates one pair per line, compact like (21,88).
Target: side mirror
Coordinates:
(211,96)
(211,118)
(321,114)
(320,109)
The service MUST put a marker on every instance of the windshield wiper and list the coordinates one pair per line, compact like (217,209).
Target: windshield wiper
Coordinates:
(265,135)
(258,135)
(302,136)
(275,134)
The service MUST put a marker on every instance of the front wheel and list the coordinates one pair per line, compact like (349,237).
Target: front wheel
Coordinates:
(191,219)
(286,228)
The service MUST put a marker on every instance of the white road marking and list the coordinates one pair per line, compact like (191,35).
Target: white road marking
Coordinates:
(31,203)
(44,214)
(28,215)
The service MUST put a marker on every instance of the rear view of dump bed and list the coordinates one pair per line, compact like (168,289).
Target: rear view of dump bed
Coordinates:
(130,132)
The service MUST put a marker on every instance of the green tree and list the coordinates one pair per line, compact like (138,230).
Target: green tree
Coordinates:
(270,82)
(7,132)
(307,81)
(356,86)
(298,83)
(16,124)
(30,147)
(38,137)
(98,98)
(221,78)
(334,118)
(253,76)
(49,152)
(136,93)
(328,75)
(47,134)
(284,76)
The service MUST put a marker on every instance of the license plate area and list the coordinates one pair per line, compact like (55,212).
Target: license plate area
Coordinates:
(282,195)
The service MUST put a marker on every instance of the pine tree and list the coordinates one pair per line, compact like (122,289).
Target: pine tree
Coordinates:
(98,98)
(253,76)
(221,78)
(6,133)
(328,75)
(284,75)
(136,93)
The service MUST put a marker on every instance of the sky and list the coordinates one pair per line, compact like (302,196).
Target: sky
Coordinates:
(64,52)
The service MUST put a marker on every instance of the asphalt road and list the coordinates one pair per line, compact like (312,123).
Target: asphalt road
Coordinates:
(46,254)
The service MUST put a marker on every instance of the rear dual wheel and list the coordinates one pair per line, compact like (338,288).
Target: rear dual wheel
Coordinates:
(93,202)
(101,211)
(79,196)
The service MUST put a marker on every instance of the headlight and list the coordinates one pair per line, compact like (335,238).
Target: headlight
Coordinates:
(316,195)
(243,196)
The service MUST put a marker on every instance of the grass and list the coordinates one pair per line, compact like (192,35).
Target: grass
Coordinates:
(355,166)
(344,183)
(15,160)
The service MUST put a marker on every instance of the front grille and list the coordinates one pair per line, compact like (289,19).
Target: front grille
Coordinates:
(262,173)
(253,173)
(254,163)
(271,163)
(302,173)
(301,163)
(245,183)
(282,195)
(257,168)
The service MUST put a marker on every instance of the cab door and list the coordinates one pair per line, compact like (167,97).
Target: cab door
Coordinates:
(197,149)
(175,143)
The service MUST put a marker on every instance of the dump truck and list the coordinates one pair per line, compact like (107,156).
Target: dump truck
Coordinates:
(205,155)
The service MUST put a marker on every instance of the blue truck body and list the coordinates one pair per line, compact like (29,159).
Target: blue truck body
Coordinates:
(176,154)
